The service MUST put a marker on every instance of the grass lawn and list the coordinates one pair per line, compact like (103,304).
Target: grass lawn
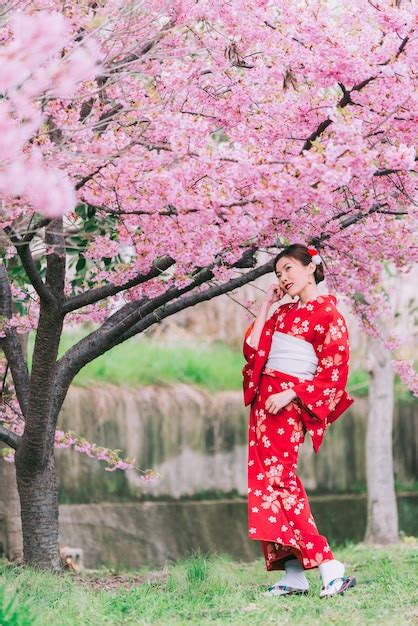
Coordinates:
(142,361)
(215,590)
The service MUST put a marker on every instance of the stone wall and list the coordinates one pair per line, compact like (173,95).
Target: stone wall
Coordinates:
(150,533)
(197,442)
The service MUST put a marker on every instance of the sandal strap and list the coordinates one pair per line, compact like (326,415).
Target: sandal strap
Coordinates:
(331,582)
(286,588)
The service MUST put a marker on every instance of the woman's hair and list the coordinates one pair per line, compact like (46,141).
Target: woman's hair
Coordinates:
(300,252)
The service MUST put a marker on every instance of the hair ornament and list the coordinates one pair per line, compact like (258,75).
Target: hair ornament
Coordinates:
(316,257)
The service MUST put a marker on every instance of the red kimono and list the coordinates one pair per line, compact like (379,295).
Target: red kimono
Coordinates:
(278,509)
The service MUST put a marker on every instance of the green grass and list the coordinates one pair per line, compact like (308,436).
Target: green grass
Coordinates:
(215,590)
(143,361)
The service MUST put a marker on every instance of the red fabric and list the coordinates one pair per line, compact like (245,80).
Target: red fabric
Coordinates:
(278,509)
(324,398)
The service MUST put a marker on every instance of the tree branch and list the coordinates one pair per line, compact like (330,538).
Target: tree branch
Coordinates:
(136,321)
(55,260)
(32,230)
(107,336)
(11,345)
(99,293)
(137,142)
(25,255)
(88,177)
(119,65)
(386,172)
(133,311)
(346,99)
(10,438)
(159,266)
(186,302)
(343,102)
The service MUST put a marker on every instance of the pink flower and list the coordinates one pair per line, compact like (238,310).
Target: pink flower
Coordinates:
(407,373)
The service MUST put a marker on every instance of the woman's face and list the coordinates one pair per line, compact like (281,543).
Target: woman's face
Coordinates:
(293,275)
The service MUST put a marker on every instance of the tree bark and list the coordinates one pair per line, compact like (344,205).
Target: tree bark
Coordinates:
(38,491)
(35,464)
(11,507)
(382,511)
(8,489)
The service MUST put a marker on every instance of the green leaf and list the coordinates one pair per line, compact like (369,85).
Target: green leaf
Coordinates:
(81,263)
(81,210)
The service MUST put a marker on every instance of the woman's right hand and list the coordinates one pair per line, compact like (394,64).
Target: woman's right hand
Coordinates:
(274,293)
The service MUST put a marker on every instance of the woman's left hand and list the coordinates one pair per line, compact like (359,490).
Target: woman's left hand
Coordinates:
(277,401)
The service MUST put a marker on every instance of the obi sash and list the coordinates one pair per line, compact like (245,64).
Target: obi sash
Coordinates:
(293,356)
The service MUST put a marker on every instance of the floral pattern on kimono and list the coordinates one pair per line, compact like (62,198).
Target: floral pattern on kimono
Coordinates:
(324,398)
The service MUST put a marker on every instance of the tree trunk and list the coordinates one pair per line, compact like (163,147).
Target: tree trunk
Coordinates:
(38,491)
(382,511)
(10,495)
(11,506)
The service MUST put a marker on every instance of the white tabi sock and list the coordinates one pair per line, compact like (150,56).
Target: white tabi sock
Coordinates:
(330,570)
(295,575)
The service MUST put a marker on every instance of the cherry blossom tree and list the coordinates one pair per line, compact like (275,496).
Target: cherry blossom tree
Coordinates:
(150,149)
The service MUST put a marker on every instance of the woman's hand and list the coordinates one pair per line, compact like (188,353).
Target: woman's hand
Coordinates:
(274,293)
(277,401)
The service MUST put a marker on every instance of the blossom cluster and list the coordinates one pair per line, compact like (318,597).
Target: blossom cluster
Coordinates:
(33,68)
(196,129)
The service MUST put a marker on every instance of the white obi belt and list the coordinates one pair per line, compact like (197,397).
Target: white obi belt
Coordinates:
(292,356)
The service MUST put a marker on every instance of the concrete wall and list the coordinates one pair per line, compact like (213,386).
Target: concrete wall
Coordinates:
(197,442)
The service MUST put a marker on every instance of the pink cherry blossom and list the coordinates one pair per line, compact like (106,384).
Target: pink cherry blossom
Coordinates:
(198,130)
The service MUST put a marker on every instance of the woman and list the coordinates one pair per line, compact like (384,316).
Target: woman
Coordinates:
(294,379)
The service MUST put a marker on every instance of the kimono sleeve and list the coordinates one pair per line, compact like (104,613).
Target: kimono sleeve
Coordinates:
(248,350)
(321,395)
